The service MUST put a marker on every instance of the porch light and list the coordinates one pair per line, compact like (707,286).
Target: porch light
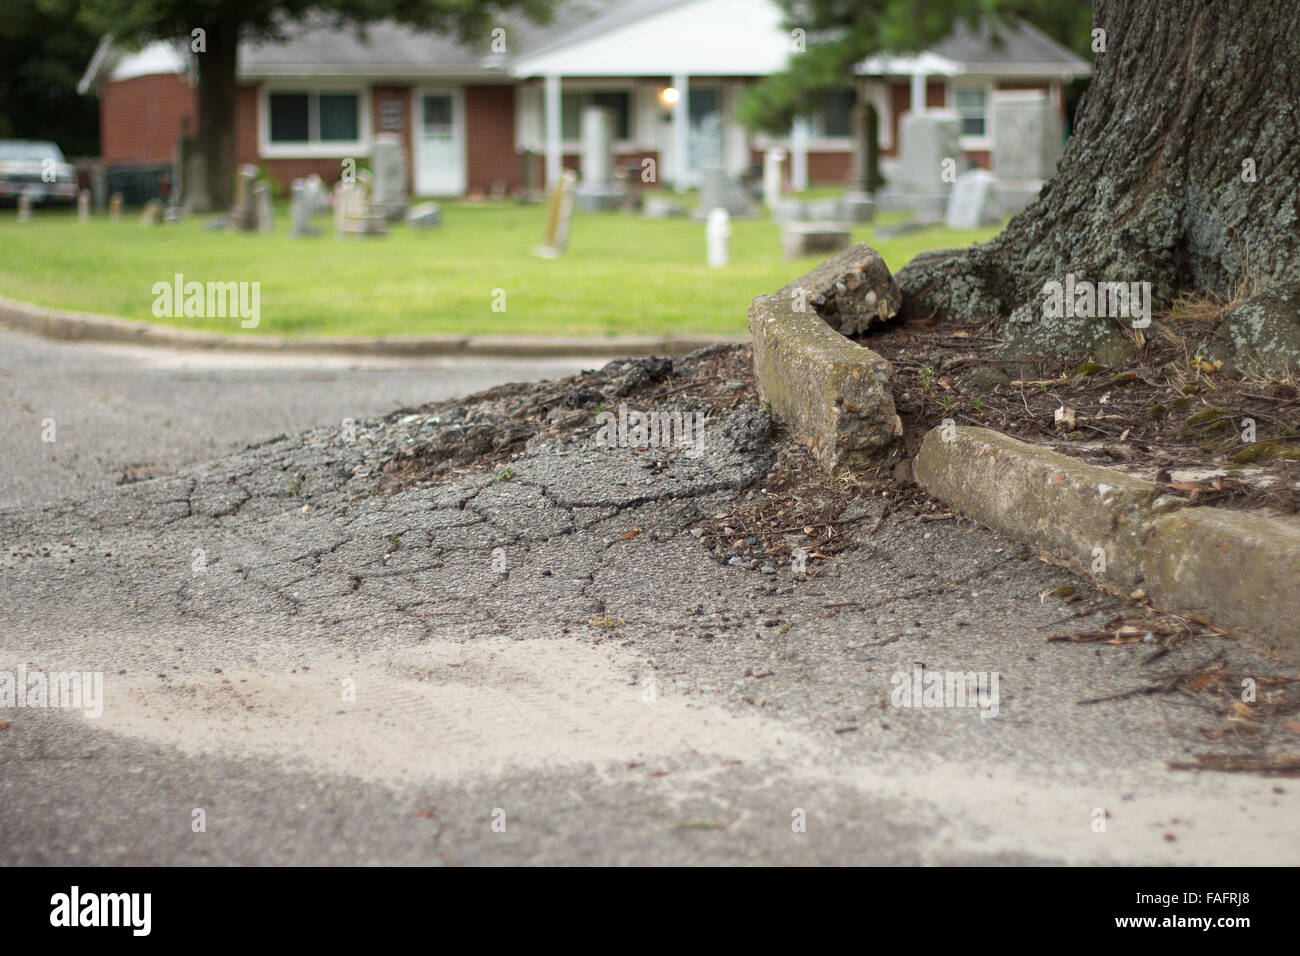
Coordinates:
(668,96)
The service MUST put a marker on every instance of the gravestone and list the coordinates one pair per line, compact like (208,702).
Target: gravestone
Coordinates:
(263,210)
(790,210)
(717,236)
(83,206)
(528,160)
(151,215)
(558,213)
(24,207)
(301,208)
(811,238)
(115,208)
(353,213)
(825,210)
(425,215)
(598,190)
(773,177)
(178,183)
(661,207)
(631,203)
(720,191)
(195,198)
(973,202)
(318,194)
(243,212)
(389,171)
(857,204)
(1028,144)
(342,200)
(98,186)
(928,139)
(857,207)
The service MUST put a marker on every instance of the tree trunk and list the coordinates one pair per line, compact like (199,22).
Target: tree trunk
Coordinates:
(1187,100)
(217,100)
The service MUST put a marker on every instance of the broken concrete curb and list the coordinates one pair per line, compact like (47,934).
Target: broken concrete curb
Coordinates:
(1241,570)
(87,327)
(836,395)
(1238,568)
(853,291)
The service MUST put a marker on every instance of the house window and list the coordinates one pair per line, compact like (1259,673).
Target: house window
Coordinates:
(972,105)
(314,118)
(837,113)
(618,102)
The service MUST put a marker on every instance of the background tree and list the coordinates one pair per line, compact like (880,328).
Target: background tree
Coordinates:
(226,22)
(1183,171)
(43,52)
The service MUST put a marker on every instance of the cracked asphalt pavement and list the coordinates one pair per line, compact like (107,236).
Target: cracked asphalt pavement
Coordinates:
(542,661)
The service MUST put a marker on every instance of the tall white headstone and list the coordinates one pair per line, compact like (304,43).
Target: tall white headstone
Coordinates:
(930,160)
(718,237)
(263,210)
(389,165)
(598,189)
(773,176)
(301,207)
(973,202)
(1028,135)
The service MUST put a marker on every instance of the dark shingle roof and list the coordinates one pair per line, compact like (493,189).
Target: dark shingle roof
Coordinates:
(1021,44)
(399,50)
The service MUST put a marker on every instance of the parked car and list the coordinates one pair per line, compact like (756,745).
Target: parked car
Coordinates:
(38,169)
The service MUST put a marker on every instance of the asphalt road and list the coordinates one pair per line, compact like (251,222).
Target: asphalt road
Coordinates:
(146,411)
(497,670)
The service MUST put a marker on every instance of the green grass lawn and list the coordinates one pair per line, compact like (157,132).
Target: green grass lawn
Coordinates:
(620,275)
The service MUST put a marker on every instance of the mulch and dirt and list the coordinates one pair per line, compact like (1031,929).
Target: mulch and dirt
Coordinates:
(480,433)
(1167,416)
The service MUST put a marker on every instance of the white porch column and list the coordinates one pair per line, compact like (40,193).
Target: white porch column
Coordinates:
(681,171)
(918,93)
(554,155)
(799,153)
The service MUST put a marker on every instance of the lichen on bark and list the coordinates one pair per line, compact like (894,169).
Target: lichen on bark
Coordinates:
(1183,171)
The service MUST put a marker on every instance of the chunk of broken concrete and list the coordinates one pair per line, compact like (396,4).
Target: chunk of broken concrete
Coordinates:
(836,396)
(852,291)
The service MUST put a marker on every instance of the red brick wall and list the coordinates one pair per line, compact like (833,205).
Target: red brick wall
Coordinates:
(140,118)
(490,155)
(829,169)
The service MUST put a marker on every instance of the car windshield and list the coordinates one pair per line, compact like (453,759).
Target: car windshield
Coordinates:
(37,151)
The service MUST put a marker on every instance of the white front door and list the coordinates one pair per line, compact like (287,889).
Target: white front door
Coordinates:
(439,143)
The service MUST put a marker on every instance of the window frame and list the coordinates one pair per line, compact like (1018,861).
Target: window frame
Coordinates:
(585,92)
(969,141)
(819,118)
(313,147)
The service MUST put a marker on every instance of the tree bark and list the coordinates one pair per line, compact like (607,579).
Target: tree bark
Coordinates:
(1155,186)
(217,102)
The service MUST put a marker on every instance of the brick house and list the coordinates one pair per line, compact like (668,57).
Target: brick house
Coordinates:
(507,113)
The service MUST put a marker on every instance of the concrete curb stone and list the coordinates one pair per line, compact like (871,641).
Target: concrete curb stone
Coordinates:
(87,327)
(1239,569)
(837,396)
